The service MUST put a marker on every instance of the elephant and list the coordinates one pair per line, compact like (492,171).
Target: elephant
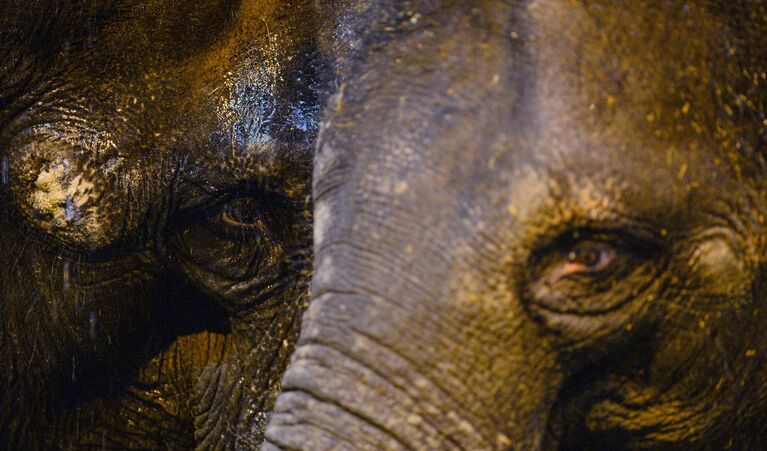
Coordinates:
(155,218)
(538,224)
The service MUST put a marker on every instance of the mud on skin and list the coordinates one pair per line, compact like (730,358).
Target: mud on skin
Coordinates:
(538,225)
(154,216)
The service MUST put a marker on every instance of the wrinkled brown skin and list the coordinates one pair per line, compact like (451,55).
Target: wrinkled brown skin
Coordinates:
(470,148)
(154,218)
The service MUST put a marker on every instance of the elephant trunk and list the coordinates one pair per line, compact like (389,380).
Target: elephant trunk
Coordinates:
(416,337)
(374,373)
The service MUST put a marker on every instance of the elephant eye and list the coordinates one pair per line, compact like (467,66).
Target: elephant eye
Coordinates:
(595,259)
(593,271)
(587,258)
(243,213)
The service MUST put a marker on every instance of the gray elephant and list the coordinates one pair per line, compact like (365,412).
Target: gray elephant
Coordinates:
(538,225)
(155,218)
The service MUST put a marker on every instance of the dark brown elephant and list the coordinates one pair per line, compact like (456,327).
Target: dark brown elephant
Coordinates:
(154,218)
(538,225)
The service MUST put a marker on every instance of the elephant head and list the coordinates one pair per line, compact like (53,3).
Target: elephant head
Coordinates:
(154,218)
(538,225)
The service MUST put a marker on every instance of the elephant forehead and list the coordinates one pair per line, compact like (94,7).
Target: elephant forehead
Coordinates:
(650,104)
(644,77)
(607,87)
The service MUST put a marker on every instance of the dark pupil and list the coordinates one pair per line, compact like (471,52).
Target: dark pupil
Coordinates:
(584,256)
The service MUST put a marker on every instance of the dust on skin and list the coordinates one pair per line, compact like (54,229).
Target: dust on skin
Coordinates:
(65,201)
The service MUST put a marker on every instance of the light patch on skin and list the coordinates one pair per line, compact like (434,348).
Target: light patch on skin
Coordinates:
(594,198)
(716,260)
(374,179)
(379,183)
(528,191)
(321,222)
(325,273)
(63,203)
(590,197)
(324,161)
(112,165)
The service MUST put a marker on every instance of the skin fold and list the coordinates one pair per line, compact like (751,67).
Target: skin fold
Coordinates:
(539,224)
(154,218)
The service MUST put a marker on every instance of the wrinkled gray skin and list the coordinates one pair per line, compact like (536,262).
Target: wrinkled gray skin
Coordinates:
(154,218)
(538,225)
